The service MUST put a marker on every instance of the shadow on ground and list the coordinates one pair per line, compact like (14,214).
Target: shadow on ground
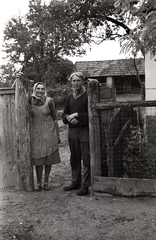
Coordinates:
(60,215)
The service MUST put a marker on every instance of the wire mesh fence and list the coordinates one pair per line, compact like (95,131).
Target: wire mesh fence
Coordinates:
(127,142)
(123,135)
(122,143)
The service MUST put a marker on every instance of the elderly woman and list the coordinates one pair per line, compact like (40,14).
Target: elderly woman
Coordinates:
(44,134)
(76,116)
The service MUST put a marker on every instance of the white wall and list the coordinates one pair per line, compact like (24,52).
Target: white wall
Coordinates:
(150,77)
(109,82)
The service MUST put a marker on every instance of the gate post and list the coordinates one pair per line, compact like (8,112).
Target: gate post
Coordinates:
(22,130)
(94,129)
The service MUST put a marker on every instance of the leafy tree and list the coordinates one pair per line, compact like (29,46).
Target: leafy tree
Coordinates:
(142,34)
(8,74)
(97,18)
(107,18)
(104,19)
(48,32)
(40,40)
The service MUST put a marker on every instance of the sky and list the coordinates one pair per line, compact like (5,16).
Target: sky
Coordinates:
(106,51)
(8,9)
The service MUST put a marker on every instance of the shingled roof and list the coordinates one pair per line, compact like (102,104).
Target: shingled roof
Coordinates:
(119,67)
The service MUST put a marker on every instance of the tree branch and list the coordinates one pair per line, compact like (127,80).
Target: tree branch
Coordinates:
(118,23)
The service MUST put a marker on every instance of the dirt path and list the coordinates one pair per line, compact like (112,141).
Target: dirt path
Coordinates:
(60,215)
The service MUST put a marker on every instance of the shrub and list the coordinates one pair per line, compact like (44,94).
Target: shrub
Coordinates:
(59,94)
(139,159)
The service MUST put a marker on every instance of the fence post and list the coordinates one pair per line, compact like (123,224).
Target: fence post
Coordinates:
(22,129)
(94,129)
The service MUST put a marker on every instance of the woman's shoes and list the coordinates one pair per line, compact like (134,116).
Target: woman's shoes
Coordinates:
(38,188)
(47,187)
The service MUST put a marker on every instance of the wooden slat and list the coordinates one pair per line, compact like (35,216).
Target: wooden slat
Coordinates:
(23,150)
(106,132)
(122,131)
(107,94)
(8,169)
(94,130)
(6,91)
(100,115)
(125,186)
(97,143)
(111,104)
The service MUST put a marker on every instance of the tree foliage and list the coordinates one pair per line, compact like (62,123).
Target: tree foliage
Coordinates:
(141,16)
(8,74)
(39,41)
(48,32)
(106,19)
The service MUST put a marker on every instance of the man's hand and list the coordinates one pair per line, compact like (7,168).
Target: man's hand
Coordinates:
(74,121)
(71,117)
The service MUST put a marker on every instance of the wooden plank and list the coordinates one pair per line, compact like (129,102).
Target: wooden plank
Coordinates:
(109,149)
(125,186)
(94,131)
(122,131)
(113,104)
(8,169)
(108,94)
(5,91)
(23,150)
(97,143)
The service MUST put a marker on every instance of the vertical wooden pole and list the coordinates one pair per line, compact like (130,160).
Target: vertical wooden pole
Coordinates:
(22,129)
(94,130)
(108,95)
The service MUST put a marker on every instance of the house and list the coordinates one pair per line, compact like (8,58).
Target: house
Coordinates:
(150,73)
(121,74)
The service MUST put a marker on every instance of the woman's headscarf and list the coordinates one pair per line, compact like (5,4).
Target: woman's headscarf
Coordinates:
(42,98)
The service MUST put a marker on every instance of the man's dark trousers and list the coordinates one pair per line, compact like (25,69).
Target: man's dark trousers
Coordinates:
(78,138)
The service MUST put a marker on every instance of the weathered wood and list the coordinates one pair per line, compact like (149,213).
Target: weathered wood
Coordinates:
(111,104)
(5,91)
(23,150)
(8,169)
(101,194)
(125,186)
(97,143)
(122,131)
(94,131)
(109,150)
(97,120)
(107,94)
(106,116)
(103,115)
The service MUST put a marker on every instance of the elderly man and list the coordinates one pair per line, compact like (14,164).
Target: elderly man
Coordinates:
(76,116)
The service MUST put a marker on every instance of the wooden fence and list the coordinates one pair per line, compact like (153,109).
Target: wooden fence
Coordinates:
(16,169)
(103,111)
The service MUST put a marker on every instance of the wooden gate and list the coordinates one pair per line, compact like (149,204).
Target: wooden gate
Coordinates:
(16,169)
(111,125)
(8,168)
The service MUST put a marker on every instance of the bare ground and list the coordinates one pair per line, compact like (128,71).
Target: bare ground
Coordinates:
(60,215)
